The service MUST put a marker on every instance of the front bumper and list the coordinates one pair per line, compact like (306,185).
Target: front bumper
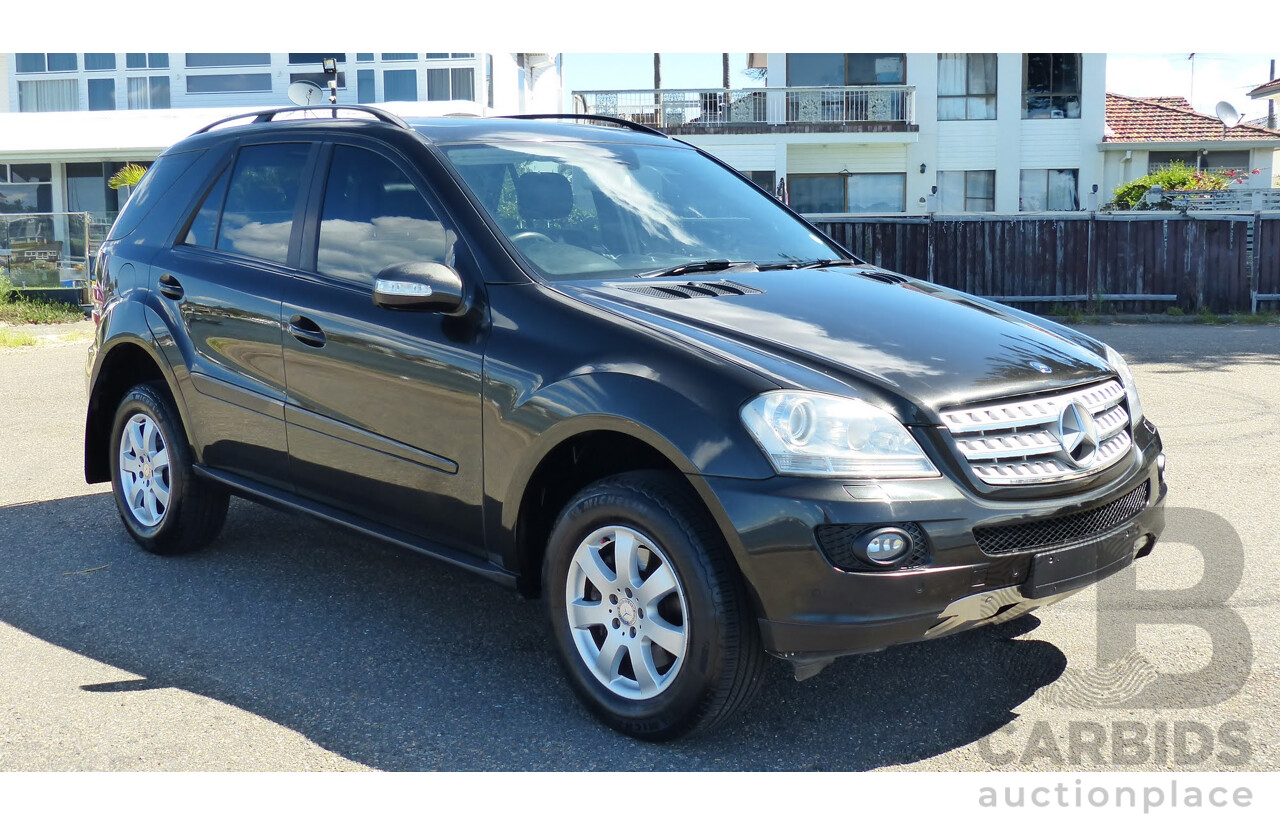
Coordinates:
(811,611)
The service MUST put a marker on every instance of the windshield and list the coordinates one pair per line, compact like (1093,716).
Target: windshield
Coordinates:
(602,210)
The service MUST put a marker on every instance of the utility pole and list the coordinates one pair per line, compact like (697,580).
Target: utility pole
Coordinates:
(1271,103)
(657,84)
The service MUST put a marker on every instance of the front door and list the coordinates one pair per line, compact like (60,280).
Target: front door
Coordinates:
(383,406)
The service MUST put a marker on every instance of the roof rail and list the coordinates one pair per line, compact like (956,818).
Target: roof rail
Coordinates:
(267,115)
(616,121)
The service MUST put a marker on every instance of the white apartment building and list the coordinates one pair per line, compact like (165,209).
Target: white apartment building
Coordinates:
(477,83)
(69,121)
(876,133)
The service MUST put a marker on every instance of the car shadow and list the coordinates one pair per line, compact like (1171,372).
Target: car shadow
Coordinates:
(401,662)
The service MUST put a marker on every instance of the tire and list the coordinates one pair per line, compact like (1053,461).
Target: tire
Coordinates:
(650,665)
(164,506)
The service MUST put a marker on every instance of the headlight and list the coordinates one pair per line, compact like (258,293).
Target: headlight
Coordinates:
(1130,387)
(809,434)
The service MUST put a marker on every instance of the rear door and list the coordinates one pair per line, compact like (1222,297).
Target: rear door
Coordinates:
(221,284)
(383,406)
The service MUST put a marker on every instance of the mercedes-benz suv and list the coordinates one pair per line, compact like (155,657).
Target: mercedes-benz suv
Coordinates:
(598,365)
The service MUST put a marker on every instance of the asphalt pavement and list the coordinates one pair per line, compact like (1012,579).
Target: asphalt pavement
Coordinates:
(289,645)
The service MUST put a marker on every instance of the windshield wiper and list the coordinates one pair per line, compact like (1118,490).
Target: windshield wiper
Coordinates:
(814,264)
(694,266)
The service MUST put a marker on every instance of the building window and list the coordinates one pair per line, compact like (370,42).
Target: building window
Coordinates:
(102,94)
(463,84)
(200,60)
(967,191)
(32,62)
(364,57)
(451,84)
(399,56)
(400,84)
(436,56)
(1051,86)
(48,96)
(26,187)
(766,179)
(152,60)
(303,58)
(1048,190)
(319,78)
(364,86)
(29,63)
(848,192)
(87,189)
(878,192)
(846,69)
(817,193)
(148,92)
(198,84)
(99,62)
(966,87)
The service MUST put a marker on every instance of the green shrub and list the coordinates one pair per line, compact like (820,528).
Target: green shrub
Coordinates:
(1175,177)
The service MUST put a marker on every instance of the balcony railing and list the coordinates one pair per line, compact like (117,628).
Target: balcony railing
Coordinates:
(690,110)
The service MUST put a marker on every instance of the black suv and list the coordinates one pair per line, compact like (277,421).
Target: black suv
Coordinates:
(597,364)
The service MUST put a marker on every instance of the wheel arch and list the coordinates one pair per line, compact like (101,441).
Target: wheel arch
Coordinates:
(129,361)
(592,451)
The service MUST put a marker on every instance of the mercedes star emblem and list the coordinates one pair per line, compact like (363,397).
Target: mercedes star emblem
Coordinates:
(1078,434)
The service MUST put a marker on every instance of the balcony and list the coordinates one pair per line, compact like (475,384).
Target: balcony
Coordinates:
(759,111)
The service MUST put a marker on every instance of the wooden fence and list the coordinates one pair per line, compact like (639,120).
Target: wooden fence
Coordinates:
(1133,262)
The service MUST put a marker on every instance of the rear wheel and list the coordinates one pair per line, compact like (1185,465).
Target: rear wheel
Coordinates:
(163,505)
(647,610)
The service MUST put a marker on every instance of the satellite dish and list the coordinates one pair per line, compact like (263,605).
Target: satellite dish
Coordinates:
(1227,113)
(306,93)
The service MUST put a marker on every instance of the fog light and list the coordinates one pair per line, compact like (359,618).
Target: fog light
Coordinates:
(884,546)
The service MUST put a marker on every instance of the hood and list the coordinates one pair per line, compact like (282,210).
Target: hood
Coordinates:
(909,341)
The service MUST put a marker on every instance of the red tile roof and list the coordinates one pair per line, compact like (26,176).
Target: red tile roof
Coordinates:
(1266,90)
(1159,119)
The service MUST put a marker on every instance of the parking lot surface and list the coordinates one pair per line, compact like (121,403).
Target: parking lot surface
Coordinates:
(291,646)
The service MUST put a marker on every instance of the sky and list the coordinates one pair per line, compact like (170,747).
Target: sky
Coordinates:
(1205,79)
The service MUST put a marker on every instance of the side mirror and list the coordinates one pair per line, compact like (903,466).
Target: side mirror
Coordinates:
(420,285)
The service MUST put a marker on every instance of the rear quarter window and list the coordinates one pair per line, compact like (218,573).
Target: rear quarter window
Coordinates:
(162,175)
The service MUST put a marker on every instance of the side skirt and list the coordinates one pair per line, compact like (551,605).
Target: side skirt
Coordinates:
(273,497)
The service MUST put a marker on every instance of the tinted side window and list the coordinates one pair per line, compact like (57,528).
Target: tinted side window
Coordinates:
(257,218)
(163,174)
(204,228)
(373,217)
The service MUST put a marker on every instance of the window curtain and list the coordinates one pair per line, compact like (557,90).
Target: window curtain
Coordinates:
(48,95)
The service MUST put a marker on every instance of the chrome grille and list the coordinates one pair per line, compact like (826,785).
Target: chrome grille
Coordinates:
(1019,441)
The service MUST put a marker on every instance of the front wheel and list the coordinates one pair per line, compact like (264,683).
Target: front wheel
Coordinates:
(165,507)
(648,613)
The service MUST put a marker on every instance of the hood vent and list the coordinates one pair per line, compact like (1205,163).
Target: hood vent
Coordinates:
(693,289)
(882,276)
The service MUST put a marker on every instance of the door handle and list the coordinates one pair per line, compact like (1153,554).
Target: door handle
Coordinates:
(169,287)
(306,331)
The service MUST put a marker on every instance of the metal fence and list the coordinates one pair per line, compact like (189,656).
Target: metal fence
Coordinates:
(1131,262)
(690,109)
(49,250)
